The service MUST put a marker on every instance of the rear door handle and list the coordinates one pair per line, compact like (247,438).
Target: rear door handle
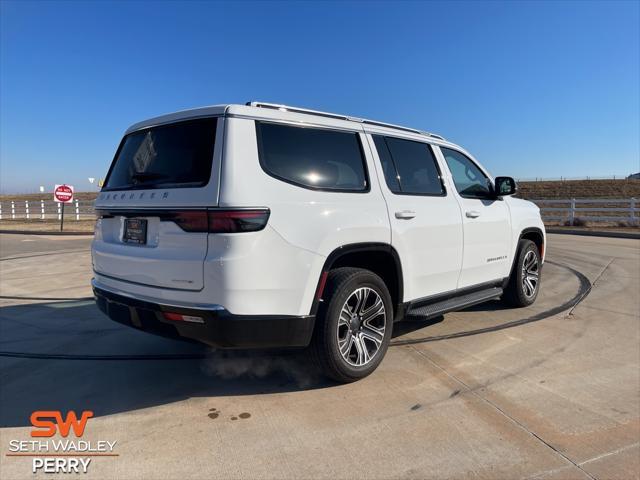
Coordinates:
(405,215)
(472,214)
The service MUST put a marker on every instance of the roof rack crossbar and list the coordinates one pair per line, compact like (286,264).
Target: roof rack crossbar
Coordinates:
(288,108)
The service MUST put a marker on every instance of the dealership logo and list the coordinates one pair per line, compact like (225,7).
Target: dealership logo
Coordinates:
(44,427)
(56,445)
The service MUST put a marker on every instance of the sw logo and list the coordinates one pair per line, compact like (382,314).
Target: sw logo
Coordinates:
(44,426)
(60,455)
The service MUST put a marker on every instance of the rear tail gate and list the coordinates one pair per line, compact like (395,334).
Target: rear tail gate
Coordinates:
(165,248)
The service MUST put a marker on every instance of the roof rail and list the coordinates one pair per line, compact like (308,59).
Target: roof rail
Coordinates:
(288,108)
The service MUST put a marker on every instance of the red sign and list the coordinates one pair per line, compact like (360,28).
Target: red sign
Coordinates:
(63,193)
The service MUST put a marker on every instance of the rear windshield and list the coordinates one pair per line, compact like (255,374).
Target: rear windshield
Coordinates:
(168,156)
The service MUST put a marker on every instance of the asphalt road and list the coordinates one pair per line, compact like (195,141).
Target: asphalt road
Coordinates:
(27,245)
(549,391)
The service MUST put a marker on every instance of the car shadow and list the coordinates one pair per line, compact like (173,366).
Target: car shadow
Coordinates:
(406,327)
(69,356)
(490,306)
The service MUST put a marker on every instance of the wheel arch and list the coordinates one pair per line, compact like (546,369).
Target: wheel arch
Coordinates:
(534,234)
(380,258)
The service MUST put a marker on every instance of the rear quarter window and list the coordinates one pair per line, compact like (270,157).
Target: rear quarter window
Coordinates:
(312,157)
(177,155)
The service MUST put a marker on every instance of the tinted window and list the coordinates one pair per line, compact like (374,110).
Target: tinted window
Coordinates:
(467,177)
(168,156)
(409,167)
(312,157)
(389,169)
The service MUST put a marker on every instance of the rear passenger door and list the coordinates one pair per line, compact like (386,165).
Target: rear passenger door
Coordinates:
(426,223)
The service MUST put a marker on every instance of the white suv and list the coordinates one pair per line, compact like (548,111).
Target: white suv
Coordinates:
(262,225)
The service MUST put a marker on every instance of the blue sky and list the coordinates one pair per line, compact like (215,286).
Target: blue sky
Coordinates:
(542,89)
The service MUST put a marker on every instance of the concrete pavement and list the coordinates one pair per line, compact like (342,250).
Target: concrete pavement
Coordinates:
(550,391)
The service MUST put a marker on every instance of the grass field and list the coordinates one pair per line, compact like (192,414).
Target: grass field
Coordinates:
(580,189)
(47,197)
(80,226)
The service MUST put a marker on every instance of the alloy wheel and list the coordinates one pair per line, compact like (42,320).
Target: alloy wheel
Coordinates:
(361,326)
(530,274)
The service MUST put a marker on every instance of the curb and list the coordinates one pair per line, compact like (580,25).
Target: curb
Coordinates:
(596,233)
(32,232)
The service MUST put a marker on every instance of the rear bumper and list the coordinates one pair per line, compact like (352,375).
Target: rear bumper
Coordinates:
(219,328)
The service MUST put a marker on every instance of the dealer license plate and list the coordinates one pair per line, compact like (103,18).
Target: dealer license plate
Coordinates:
(135,231)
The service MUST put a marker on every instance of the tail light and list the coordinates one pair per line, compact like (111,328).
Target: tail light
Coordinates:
(228,220)
(232,221)
(220,221)
(188,220)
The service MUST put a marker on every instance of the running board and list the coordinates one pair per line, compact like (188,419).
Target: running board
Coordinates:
(454,303)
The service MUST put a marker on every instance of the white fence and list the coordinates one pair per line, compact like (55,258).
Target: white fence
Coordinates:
(46,210)
(574,210)
(635,176)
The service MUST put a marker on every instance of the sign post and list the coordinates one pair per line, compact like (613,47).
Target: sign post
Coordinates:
(63,194)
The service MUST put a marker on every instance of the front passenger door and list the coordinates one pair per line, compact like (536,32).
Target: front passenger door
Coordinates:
(486,221)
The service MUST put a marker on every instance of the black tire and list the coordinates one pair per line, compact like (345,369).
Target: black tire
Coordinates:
(517,294)
(342,285)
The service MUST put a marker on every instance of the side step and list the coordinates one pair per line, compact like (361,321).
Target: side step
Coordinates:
(453,303)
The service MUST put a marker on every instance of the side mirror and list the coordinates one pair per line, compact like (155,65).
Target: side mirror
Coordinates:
(505,186)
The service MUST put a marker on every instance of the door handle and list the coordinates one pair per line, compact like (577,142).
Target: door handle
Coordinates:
(472,214)
(405,215)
